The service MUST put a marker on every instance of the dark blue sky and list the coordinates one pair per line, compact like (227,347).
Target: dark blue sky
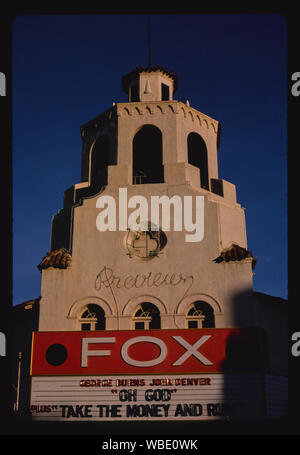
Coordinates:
(67,70)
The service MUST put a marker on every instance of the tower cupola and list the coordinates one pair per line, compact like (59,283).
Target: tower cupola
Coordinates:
(149,84)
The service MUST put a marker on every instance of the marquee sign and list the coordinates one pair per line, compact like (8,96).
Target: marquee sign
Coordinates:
(146,375)
(145,352)
(180,397)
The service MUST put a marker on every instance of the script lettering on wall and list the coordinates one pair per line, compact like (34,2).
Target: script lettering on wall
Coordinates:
(107,279)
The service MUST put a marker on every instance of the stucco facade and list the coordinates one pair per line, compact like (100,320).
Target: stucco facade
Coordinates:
(102,271)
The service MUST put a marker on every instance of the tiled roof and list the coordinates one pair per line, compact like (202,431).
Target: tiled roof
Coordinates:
(235,253)
(139,69)
(60,259)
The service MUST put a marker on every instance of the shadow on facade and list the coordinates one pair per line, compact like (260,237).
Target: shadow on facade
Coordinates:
(256,361)
(245,364)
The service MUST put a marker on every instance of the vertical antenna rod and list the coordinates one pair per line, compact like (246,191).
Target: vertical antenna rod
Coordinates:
(149,43)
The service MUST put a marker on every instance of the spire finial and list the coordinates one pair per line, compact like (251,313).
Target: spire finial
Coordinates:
(149,43)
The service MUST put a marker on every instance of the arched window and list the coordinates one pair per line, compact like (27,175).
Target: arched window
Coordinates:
(92,318)
(147,316)
(147,156)
(200,315)
(100,161)
(197,156)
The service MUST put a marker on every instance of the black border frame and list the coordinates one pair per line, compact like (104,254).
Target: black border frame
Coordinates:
(90,437)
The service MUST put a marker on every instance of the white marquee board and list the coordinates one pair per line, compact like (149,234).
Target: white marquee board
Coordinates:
(168,397)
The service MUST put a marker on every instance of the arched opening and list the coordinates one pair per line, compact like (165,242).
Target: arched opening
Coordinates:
(200,315)
(92,318)
(197,156)
(100,161)
(147,156)
(146,316)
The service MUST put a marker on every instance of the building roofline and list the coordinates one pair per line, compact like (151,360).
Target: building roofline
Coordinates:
(148,69)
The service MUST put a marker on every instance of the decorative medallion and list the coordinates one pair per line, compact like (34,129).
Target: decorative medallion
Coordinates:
(145,243)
